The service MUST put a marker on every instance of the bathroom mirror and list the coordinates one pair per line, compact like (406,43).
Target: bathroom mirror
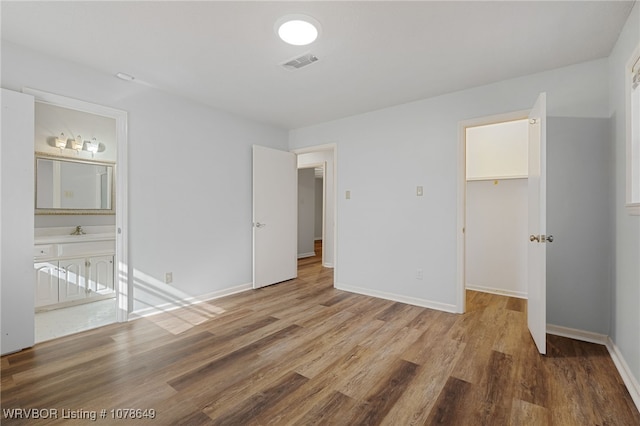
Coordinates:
(69,186)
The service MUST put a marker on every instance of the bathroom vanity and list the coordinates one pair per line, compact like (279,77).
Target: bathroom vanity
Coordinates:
(73,265)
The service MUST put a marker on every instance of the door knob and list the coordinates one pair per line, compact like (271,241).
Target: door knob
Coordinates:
(550,238)
(260,225)
(533,238)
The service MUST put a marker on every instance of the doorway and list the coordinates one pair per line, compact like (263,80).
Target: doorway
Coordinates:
(325,157)
(86,289)
(310,213)
(536,214)
(496,208)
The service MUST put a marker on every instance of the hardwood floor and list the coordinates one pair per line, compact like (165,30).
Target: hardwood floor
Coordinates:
(302,352)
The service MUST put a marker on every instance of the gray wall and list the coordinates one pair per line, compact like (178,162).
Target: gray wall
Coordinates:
(306,211)
(579,214)
(625,326)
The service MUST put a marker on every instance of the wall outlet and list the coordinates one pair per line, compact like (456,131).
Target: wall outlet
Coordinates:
(419,191)
(347,195)
(419,274)
(168,277)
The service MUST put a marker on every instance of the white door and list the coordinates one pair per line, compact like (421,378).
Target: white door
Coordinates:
(17,276)
(537,263)
(275,216)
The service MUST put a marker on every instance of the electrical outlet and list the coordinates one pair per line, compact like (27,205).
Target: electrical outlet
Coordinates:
(419,274)
(168,277)
(419,191)
(347,195)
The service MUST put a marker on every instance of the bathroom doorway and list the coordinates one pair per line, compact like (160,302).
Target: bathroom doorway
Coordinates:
(80,228)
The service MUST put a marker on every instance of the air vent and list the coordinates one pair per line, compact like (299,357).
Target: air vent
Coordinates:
(300,62)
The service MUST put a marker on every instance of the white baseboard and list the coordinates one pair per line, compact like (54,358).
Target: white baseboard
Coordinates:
(499,291)
(327,265)
(317,239)
(625,372)
(303,255)
(397,298)
(621,365)
(572,333)
(181,303)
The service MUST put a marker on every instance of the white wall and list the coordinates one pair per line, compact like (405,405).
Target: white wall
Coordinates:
(580,258)
(17,279)
(189,178)
(325,157)
(306,212)
(496,236)
(625,319)
(497,150)
(385,232)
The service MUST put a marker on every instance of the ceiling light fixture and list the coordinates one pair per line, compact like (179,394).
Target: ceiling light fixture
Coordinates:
(298,30)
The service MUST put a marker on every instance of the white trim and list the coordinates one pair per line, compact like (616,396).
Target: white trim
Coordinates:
(633,209)
(123,284)
(333,147)
(189,301)
(472,179)
(498,291)
(572,333)
(317,239)
(625,372)
(632,206)
(303,255)
(462,194)
(398,298)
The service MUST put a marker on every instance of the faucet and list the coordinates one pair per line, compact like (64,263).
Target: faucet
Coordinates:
(78,231)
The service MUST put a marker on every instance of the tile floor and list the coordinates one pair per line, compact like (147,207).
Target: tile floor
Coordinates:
(65,321)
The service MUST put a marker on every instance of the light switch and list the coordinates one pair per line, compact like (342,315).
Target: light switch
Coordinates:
(419,191)
(347,195)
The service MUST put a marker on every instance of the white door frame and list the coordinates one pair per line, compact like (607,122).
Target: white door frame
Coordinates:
(333,147)
(462,195)
(121,273)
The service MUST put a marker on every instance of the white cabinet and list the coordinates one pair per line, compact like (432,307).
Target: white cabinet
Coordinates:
(46,283)
(69,273)
(73,279)
(100,276)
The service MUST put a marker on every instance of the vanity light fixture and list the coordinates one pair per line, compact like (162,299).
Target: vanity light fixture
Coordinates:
(92,146)
(298,30)
(61,141)
(77,143)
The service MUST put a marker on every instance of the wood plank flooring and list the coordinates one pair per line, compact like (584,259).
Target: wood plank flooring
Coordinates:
(304,353)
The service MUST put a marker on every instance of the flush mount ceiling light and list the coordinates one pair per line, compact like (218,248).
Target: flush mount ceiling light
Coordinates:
(298,30)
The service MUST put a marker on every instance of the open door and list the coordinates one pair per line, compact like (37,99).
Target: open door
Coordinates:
(275,216)
(537,261)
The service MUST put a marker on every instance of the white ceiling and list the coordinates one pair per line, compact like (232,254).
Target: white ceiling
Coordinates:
(371,54)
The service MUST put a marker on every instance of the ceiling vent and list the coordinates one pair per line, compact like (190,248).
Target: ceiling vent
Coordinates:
(300,62)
